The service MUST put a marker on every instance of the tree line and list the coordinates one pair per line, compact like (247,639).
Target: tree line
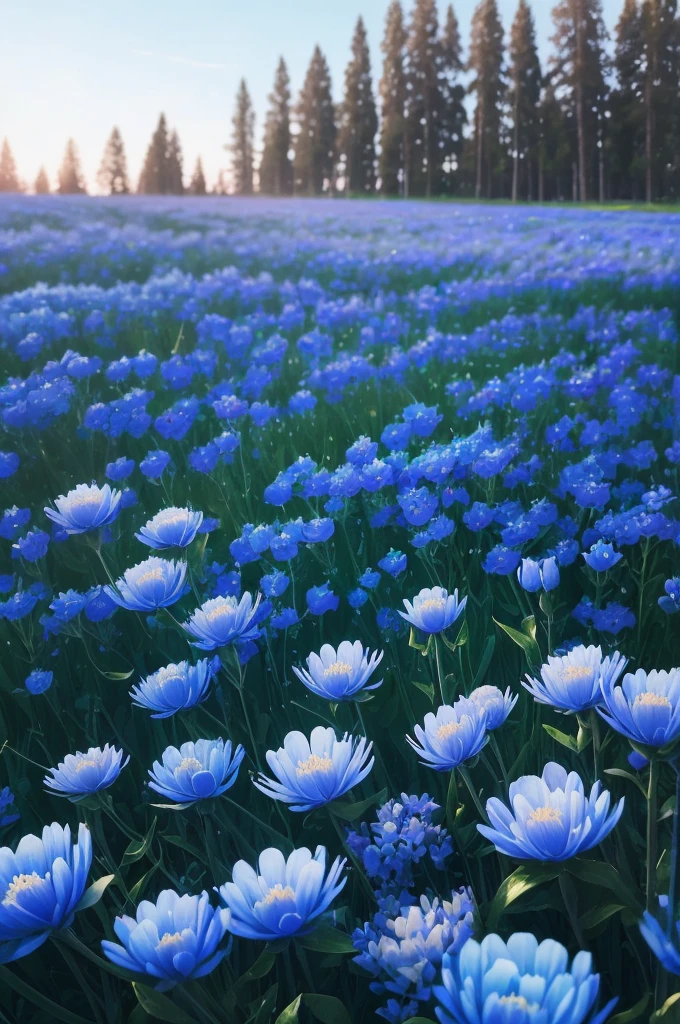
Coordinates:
(597,122)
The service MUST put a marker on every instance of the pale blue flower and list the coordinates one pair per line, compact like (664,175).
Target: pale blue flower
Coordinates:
(87,507)
(222,620)
(663,937)
(171,528)
(573,682)
(518,982)
(153,584)
(433,610)
(551,818)
(495,704)
(40,887)
(342,674)
(81,774)
(282,897)
(645,707)
(170,941)
(174,688)
(197,771)
(311,772)
(450,737)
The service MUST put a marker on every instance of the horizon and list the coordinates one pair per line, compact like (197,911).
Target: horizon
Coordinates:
(180,68)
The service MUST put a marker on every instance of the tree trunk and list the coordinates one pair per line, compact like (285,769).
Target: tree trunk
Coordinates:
(601,175)
(579,71)
(574,182)
(480,149)
(649,137)
(515,143)
(541,176)
(530,178)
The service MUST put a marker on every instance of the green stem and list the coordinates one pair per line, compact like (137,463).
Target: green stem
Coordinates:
(464,774)
(438,662)
(493,743)
(595,729)
(53,1010)
(651,830)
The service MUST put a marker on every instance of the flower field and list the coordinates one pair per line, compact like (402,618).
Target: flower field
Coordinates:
(340,608)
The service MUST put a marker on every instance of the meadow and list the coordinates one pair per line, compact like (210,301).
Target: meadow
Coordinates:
(340,606)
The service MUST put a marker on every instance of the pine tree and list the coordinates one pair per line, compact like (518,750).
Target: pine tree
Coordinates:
(42,183)
(359,119)
(276,168)
(524,96)
(9,179)
(661,34)
(174,165)
(580,69)
(242,142)
(70,174)
(315,141)
(393,100)
(453,113)
(488,84)
(424,100)
(627,102)
(153,179)
(554,148)
(113,176)
(197,185)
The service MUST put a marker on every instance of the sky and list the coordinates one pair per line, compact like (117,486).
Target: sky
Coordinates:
(77,68)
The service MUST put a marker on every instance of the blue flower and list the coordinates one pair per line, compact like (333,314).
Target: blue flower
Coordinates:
(670,602)
(170,941)
(120,469)
(403,953)
(274,584)
(340,675)
(174,688)
(286,618)
(282,897)
(312,772)
(68,605)
(155,464)
(518,982)
(78,774)
(9,464)
(99,605)
(573,682)
(645,707)
(32,547)
(602,556)
(196,771)
(501,561)
(551,817)
(7,805)
(450,737)
(433,610)
(38,681)
(357,598)
(322,599)
(224,620)
(663,937)
(40,887)
(492,702)
(85,508)
(393,563)
(171,528)
(541,575)
(152,584)
(369,579)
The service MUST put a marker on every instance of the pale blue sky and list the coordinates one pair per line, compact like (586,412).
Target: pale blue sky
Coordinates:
(77,67)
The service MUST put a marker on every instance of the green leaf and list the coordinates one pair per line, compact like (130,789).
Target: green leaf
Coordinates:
(53,1010)
(526,642)
(420,1020)
(484,663)
(461,639)
(326,939)
(264,1007)
(595,872)
(350,812)
(262,965)
(290,1014)
(159,1006)
(619,773)
(636,1011)
(94,893)
(561,737)
(174,807)
(118,677)
(138,888)
(427,689)
(597,915)
(526,877)
(412,642)
(136,849)
(452,802)
(661,1015)
(184,845)
(327,1009)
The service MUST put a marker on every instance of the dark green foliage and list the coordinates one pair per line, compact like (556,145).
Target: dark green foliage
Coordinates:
(9,179)
(242,142)
(113,174)
(524,98)
(393,100)
(359,119)
(71,180)
(276,169)
(315,140)
(488,85)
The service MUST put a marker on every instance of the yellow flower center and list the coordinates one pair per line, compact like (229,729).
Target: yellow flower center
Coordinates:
(315,764)
(519,1001)
(545,814)
(338,668)
(217,613)
(175,517)
(190,764)
(278,892)
(571,673)
(432,603)
(448,729)
(652,700)
(150,574)
(85,763)
(169,939)
(19,884)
